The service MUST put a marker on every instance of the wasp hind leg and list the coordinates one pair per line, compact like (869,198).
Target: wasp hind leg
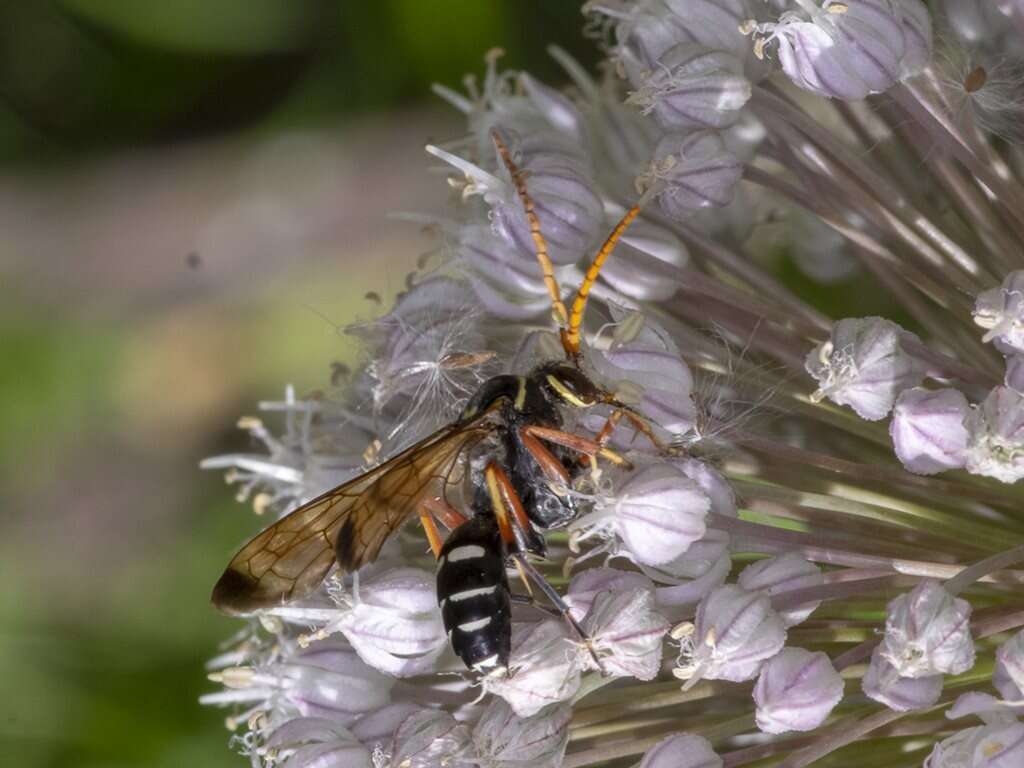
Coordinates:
(503,499)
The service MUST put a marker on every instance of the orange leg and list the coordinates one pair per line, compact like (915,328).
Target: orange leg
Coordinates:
(508,508)
(433,535)
(449,516)
(582,445)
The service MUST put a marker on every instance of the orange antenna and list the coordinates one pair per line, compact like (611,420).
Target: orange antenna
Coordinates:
(540,245)
(572,334)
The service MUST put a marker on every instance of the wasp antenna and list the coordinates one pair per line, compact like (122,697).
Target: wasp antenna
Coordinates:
(579,304)
(539,243)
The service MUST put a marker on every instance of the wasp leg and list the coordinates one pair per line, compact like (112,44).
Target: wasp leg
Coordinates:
(559,605)
(531,601)
(450,517)
(639,423)
(503,498)
(582,445)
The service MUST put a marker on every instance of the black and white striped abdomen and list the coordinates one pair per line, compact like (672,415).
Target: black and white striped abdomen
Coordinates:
(473,592)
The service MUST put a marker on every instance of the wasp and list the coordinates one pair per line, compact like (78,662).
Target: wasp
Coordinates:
(506,458)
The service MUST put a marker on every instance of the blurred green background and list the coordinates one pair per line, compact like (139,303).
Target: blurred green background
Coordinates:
(193,201)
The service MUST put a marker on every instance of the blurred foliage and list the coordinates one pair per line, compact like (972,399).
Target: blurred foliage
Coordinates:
(86,75)
(110,536)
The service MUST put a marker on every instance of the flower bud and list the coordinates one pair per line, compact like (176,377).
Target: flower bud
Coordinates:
(543,668)
(928,432)
(710,480)
(781,574)
(625,632)
(991,710)
(1008,676)
(863,366)
(694,88)
(315,741)
(692,172)
(735,631)
(995,443)
(1001,312)
(394,624)
(883,684)
(796,691)
(586,586)
(431,739)
(682,750)
(378,727)
(631,279)
(917,35)
(1014,378)
(651,373)
(988,746)
(570,212)
(503,738)
(704,566)
(927,631)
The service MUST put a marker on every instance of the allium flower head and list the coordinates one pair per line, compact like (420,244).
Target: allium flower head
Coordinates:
(742,511)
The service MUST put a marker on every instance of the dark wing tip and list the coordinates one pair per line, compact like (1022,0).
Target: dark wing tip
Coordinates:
(235,593)
(345,546)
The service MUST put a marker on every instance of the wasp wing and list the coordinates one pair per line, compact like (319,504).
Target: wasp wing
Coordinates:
(350,523)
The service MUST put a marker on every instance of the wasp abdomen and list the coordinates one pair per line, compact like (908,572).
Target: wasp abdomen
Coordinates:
(473,592)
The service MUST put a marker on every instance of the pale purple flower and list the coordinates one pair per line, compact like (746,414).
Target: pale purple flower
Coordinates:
(1008,676)
(682,750)
(587,585)
(648,372)
(692,172)
(882,683)
(780,574)
(927,429)
(987,746)
(995,443)
(324,681)
(544,668)
(848,50)
(863,365)
(694,88)
(656,515)
(504,739)
(431,738)
(796,691)
(625,630)
(734,633)
(1000,311)
(314,742)
(927,631)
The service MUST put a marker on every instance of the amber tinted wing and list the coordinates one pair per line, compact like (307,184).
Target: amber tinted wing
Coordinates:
(290,558)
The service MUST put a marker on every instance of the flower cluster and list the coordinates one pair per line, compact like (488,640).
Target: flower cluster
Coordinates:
(776,554)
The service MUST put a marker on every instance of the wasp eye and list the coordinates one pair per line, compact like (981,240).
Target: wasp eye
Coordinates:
(573,387)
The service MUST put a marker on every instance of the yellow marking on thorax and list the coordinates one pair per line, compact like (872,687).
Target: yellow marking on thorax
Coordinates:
(565,393)
(520,394)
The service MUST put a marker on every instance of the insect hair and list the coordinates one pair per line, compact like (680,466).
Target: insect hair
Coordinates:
(730,392)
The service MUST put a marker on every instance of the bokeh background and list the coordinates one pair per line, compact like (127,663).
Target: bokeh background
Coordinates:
(194,201)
